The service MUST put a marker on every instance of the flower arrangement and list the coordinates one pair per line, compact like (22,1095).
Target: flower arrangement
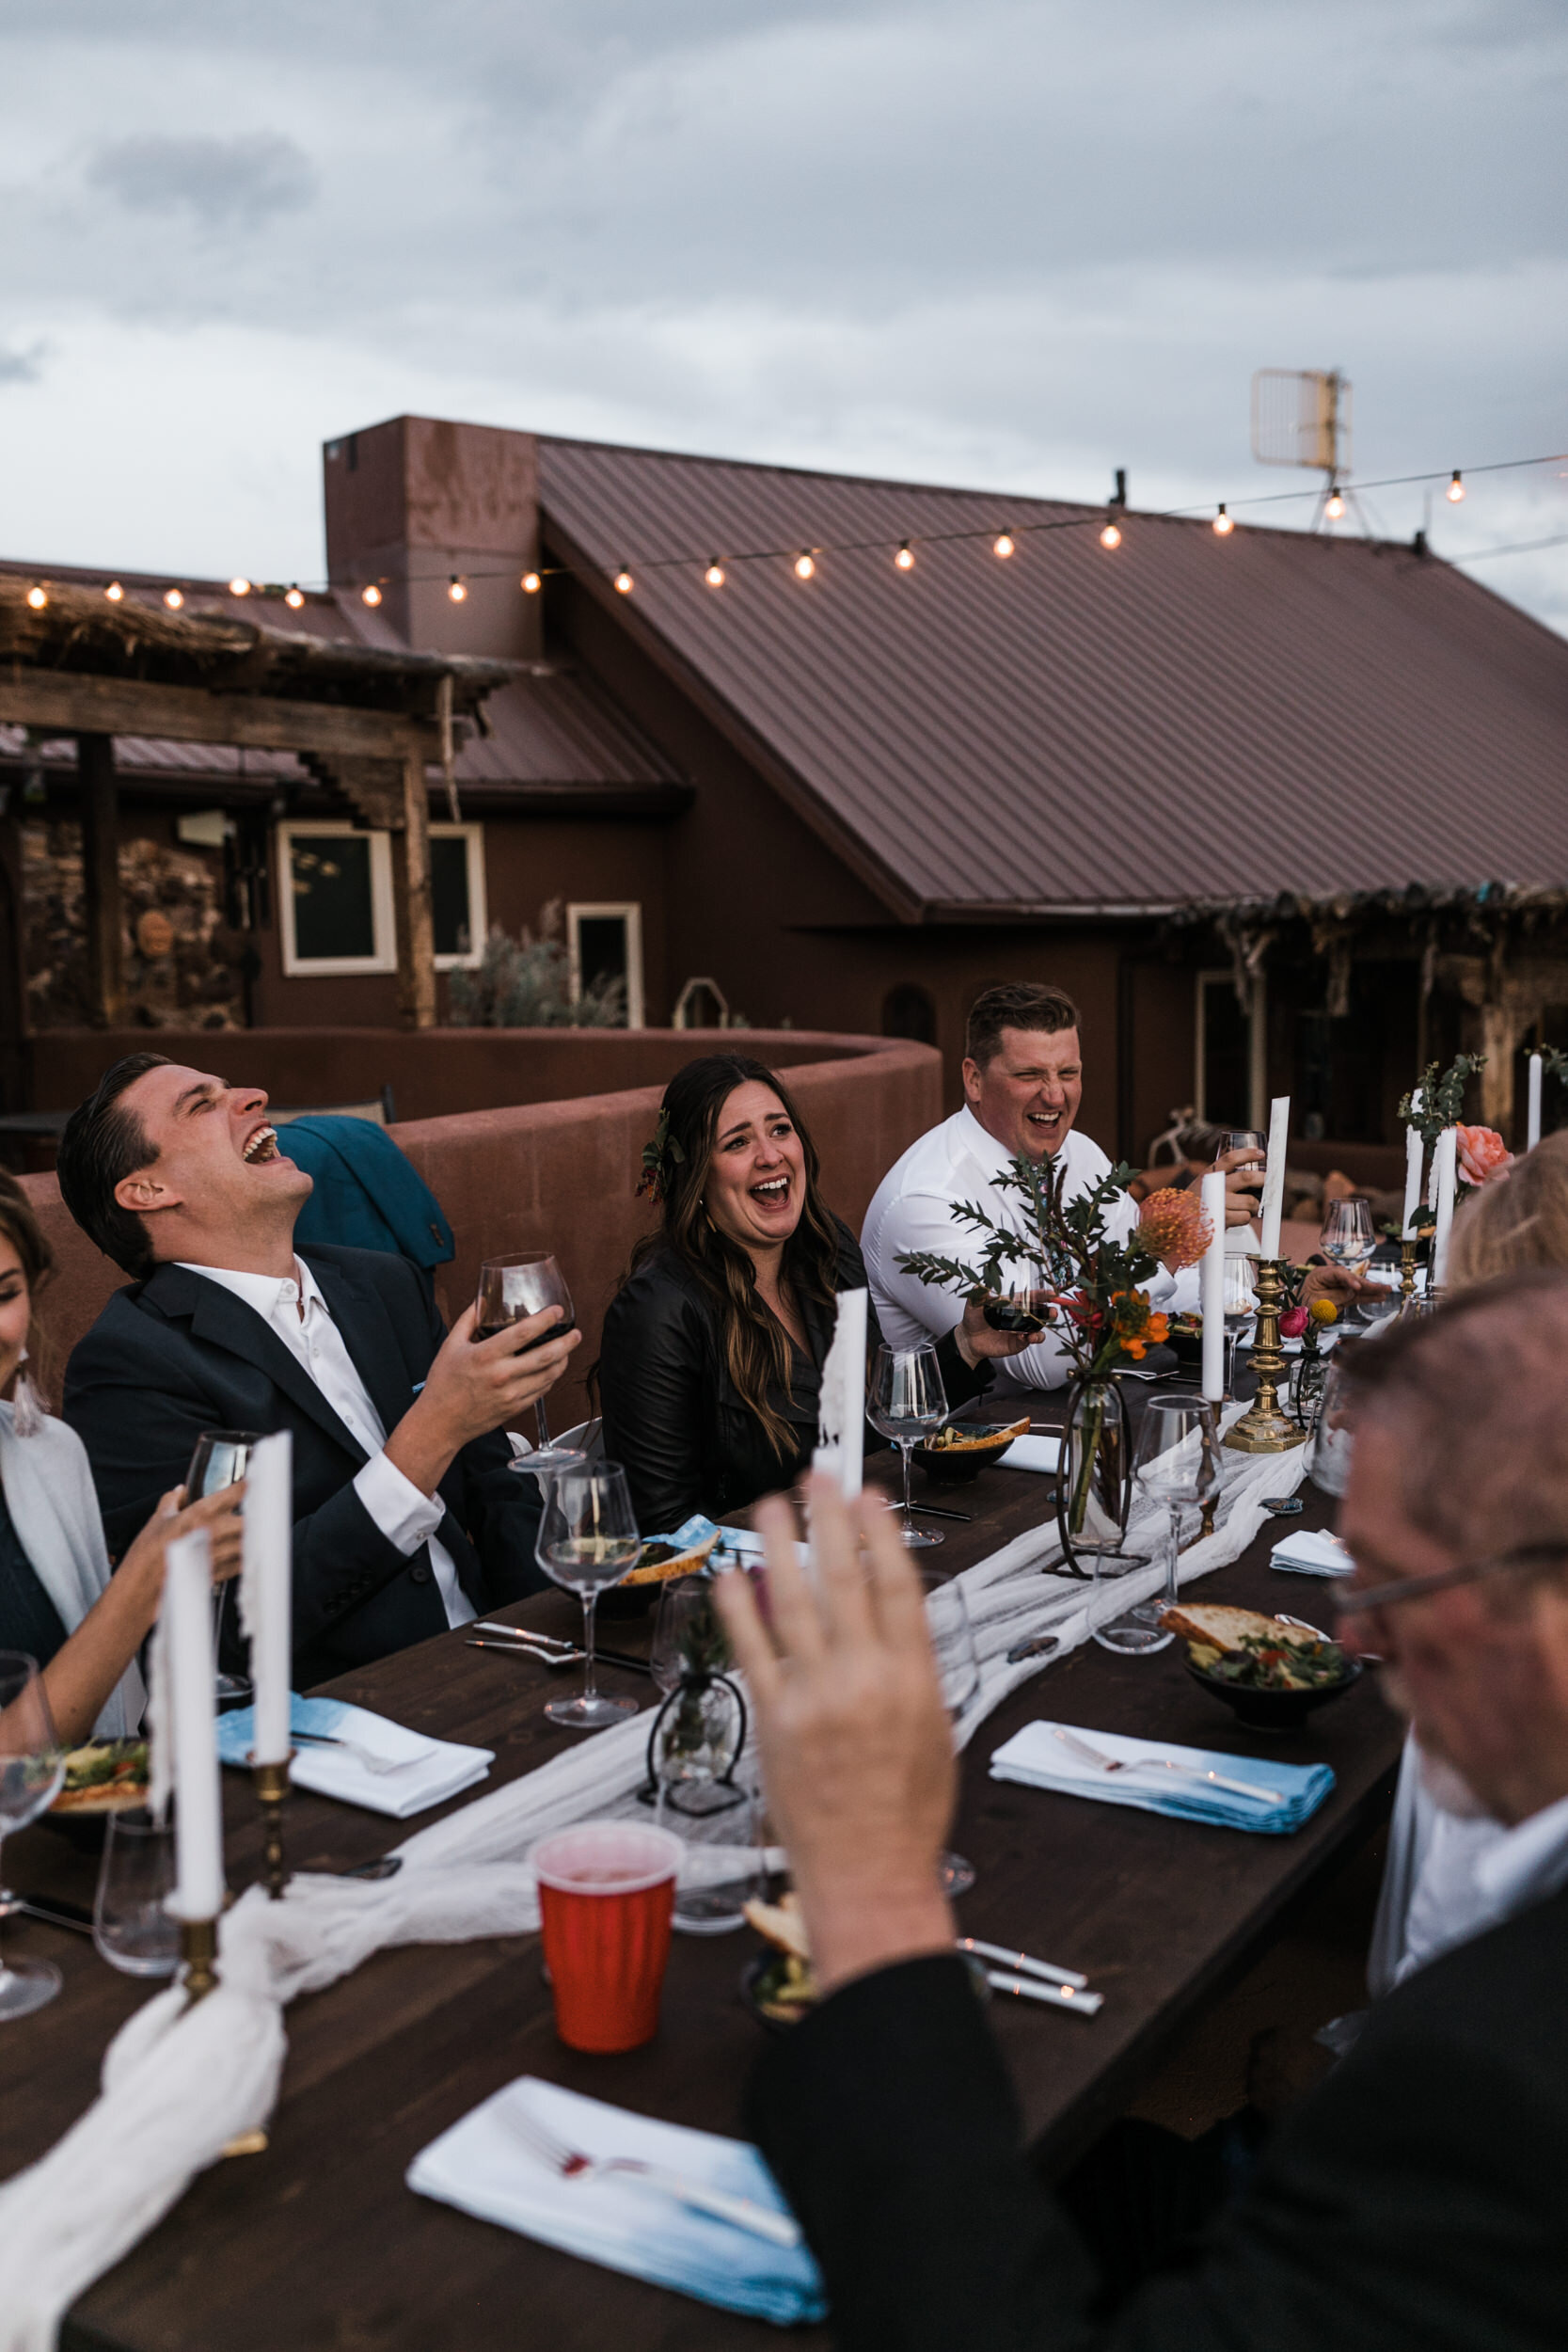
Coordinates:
(1068,1250)
(1484,1156)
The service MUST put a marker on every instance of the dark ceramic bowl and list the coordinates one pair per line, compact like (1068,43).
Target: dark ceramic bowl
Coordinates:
(953,1469)
(1274,1710)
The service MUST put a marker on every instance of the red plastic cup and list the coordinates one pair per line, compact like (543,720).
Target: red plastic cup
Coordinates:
(606,1898)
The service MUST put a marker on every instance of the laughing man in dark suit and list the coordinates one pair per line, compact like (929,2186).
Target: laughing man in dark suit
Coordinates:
(408,1519)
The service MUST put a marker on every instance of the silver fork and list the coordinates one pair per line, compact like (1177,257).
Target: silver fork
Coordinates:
(570,2164)
(1165,1763)
(368,1756)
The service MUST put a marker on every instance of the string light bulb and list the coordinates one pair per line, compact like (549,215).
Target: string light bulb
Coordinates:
(905,557)
(624,581)
(804,566)
(531,583)
(239,585)
(715,573)
(1222,525)
(1335,504)
(1455,490)
(38,598)
(370,594)
(173,598)
(1110,536)
(114,591)
(294,597)
(457,589)
(1003,543)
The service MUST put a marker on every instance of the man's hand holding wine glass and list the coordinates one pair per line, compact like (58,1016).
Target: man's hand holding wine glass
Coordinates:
(476,1386)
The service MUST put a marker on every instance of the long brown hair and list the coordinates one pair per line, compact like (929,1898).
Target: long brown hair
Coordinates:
(756,1351)
(20,1226)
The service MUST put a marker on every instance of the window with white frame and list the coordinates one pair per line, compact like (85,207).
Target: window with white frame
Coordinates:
(457,895)
(335,900)
(1230,1076)
(604,943)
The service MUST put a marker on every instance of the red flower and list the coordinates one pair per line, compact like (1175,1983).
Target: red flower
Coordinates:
(1293,1323)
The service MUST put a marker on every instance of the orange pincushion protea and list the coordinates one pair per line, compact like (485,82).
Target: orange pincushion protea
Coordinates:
(1172,1226)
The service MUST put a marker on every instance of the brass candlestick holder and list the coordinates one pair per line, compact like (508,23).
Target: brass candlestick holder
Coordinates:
(198,1945)
(1409,1243)
(271,1783)
(1263,1428)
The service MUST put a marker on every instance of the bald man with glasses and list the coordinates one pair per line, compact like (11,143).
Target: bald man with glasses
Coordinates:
(1417,2200)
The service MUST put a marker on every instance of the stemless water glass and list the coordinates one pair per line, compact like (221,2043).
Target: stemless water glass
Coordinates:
(958,1670)
(32,1768)
(1347,1239)
(130,1926)
(906,1403)
(221,1457)
(588,1540)
(1177,1463)
(511,1290)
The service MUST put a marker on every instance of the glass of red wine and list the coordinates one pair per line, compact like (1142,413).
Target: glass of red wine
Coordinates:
(1024,1310)
(511,1290)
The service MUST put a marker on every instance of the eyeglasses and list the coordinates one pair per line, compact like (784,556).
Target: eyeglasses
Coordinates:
(1368,1599)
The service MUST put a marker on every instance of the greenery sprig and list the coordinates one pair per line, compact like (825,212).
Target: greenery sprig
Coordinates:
(1442,1098)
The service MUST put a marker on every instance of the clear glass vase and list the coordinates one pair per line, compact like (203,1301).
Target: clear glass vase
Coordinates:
(1093,1481)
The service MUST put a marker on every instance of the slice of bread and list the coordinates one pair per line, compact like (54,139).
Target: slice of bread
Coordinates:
(681,1563)
(780,1923)
(1225,1629)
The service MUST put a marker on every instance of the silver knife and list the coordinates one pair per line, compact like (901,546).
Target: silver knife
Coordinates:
(1038,1645)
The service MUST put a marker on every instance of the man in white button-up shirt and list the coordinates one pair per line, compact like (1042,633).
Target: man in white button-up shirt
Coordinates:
(408,1515)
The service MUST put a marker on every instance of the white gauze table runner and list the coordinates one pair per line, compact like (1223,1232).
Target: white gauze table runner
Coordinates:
(178,2084)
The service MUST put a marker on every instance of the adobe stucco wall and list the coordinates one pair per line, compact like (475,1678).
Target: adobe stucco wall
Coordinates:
(538,1173)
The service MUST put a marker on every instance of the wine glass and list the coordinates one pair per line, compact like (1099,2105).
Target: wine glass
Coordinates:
(1251,1139)
(1177,1463)
(906,1403)
(1347,1239)
(958,1671)
(511,1290)
(1023,1309)
(32,1768)
(1241,1305)
(588,1540)
(221,1456)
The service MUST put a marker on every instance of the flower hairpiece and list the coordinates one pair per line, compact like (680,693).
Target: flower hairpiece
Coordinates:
(661,1159)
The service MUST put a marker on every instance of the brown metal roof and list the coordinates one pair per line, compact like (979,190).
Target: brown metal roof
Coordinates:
(1185,719)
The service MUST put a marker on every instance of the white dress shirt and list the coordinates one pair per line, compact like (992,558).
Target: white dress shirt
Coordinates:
(914,1209)
(302,1321)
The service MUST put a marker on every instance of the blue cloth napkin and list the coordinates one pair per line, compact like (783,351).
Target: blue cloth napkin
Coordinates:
(1038,1758)
(483,2167)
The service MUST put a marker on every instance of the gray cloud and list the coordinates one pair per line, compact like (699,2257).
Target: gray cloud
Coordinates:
(21,366)
(242,179)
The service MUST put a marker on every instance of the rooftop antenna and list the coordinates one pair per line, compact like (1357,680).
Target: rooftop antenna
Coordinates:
(1301,417)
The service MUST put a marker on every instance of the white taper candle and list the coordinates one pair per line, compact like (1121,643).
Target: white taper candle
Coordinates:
(1274,1178)
(187,1605)
(1445,1171)
(266,1591)
(1213,1291)
(1532,1128)
(1412,1177)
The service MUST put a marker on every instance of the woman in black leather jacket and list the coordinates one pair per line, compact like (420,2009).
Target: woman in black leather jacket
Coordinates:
(713,1347)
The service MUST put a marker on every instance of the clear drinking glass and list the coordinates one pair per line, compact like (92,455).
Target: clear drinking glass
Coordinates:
(588,1540)
(511,1290)
(959,1668)
(32,1768)
(1241,1305)
(1329,1461)
(906,1403)
(221,1456)
(1176,1462)
(718,1822)
(1347,1239)
(130,1924)
(1250,1139)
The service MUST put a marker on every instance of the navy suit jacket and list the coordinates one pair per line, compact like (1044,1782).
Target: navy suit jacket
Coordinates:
(176,1354)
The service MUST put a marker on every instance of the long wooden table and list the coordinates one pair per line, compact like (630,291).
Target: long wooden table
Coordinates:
(318,2242)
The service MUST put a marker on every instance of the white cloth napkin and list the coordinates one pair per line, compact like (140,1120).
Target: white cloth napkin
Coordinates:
(1312,1552)
(1032,1454)
(483,2167)
(1039,1760)
(429,1770)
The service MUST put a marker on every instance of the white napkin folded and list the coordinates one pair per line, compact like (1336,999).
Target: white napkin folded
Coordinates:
(1032,1454)
(1312,1552)
(430,1771)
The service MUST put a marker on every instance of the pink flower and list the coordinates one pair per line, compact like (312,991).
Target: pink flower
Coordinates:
(1482,1155)
(1293,1323)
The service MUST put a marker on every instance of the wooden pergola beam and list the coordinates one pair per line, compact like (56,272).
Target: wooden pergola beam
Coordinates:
(193,714)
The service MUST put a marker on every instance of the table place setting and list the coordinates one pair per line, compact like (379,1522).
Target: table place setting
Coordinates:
(1312,1552)
(1162,1776)
(518,2160)
(362,1758)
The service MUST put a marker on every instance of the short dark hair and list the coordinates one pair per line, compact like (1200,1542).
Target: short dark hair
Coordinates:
(1476,1397)
(1015,1005)
(103,1144)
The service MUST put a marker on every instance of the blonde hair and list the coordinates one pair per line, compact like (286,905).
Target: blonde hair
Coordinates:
(1520,1219)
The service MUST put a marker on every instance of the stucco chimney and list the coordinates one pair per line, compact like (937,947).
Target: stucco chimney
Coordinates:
(418,501)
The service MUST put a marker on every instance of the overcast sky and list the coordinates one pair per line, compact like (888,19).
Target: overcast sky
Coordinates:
(1001,243)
